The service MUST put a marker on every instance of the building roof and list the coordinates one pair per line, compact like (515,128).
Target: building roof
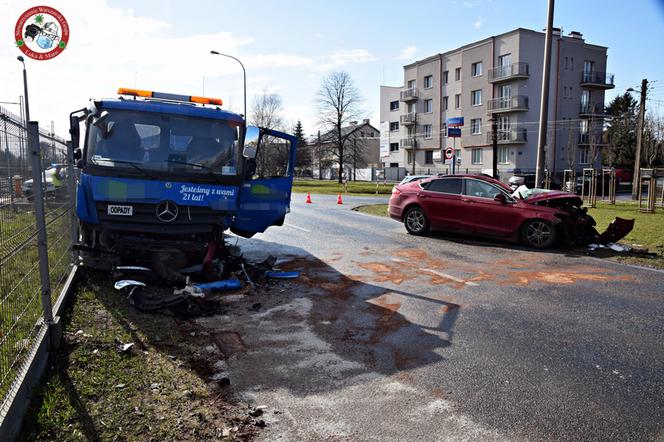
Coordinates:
(504,34)
(328,137)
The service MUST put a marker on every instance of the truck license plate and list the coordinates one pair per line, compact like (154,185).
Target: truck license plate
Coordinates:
(120,210)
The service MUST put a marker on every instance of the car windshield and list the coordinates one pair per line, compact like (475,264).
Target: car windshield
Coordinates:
(147,141)
(524,193)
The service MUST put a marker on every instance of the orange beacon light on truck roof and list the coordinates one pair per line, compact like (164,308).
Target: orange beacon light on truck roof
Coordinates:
(166,96)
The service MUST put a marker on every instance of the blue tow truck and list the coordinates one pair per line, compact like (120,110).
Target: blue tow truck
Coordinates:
(163,176)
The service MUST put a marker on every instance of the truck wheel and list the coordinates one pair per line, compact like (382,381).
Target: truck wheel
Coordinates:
(539,234)
(416,221)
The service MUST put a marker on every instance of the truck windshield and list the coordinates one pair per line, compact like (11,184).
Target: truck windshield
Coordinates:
(147,141)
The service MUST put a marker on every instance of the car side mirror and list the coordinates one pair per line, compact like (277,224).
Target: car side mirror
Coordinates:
(500,197)
(252,137)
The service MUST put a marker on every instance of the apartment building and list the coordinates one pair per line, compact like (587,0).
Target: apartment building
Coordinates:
(498,77)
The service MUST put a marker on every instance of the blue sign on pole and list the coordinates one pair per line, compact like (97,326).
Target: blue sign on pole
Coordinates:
(454,132)
(455,122)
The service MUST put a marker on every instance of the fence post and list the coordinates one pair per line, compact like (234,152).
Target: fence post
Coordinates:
(38,195)
(71,189)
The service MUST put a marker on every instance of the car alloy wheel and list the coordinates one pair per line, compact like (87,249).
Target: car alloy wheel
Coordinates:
(416,221)
(539,234)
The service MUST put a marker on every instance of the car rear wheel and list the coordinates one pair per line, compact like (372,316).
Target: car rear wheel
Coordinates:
(539,234)
(416,221)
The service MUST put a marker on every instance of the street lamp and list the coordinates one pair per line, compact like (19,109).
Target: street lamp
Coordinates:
(25,89)
(244,72)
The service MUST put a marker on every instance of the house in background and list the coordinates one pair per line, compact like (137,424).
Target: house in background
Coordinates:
(361,152)
(498,78)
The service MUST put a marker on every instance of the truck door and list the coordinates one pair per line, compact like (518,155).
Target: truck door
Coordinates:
(264,197)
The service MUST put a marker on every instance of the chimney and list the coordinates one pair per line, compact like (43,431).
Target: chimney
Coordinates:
(555,31)
(576,34)
(352,123)
(365,121)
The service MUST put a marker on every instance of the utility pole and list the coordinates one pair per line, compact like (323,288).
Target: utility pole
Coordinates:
(494,139)
(636,181)
(544,102)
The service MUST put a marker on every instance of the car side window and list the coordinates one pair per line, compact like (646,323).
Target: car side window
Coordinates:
(445,185)
(480,189)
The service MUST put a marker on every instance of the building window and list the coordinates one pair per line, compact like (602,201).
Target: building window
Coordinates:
(457,74)
(394,126)
(584,154)
(428,106)
(444,129)
(409,154)
(428,133)
(476,156)
(428,82)
(394,164)
(394,147)
(476,97)
(457,101)
(476,126)
(446,77)
(476,69)
(394,105)
(503,155)
(446,103)
(571,63)
(411,84)
(457,153)
(428,157)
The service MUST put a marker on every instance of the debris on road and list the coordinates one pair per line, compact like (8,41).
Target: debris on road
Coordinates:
(199,289)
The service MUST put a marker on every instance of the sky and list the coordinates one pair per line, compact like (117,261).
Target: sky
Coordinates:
(289,46)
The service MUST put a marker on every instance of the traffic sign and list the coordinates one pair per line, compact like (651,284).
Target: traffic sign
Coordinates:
(454,132)
(455,122)
(449,153)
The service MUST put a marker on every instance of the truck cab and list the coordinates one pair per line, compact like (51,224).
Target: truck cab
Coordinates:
(164,175)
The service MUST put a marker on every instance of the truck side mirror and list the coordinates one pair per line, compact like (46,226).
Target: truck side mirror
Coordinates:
(77,154)
(252,137)
(74,130)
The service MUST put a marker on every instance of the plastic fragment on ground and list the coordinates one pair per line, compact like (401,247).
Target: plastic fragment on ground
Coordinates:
(119,285)
(219,286)
(282,275)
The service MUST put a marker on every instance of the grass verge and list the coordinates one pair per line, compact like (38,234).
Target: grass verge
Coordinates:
(648,229)
(327,187)
(160,390)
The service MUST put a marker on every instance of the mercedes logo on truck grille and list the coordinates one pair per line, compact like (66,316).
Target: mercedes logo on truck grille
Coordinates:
(167,211)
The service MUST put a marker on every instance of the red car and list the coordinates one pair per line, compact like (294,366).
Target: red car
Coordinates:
(480,205)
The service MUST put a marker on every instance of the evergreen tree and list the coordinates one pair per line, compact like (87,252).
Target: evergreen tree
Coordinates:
(621,129)
(303,153)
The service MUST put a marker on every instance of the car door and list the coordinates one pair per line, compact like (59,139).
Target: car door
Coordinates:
(264,198)
(483,214)
(441,200)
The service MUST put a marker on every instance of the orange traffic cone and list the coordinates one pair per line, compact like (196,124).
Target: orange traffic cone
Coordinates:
(308,200)
(339,199)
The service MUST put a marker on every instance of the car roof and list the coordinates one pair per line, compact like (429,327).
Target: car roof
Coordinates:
(481,177)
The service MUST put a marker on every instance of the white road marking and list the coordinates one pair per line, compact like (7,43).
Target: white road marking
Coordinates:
(297,227)
(453,278)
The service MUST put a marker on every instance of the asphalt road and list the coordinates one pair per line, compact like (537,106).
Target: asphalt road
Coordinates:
(387,336)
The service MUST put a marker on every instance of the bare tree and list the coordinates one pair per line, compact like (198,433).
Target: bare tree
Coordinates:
(570,148)
(338,104)
(266,111)
(273,155)
(653,140)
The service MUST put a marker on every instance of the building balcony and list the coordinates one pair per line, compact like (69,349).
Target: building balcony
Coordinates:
(591,110)
(408,142)
(408,119)
(409,94)
(508,104)
(514,71)
(597,80)
(513,136)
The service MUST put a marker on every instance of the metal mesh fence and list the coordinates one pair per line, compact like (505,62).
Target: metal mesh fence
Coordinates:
(21,286)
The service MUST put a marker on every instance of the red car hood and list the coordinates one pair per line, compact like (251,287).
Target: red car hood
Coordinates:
(553,195)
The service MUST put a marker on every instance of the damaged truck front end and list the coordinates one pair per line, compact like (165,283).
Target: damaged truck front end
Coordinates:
(164,176)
